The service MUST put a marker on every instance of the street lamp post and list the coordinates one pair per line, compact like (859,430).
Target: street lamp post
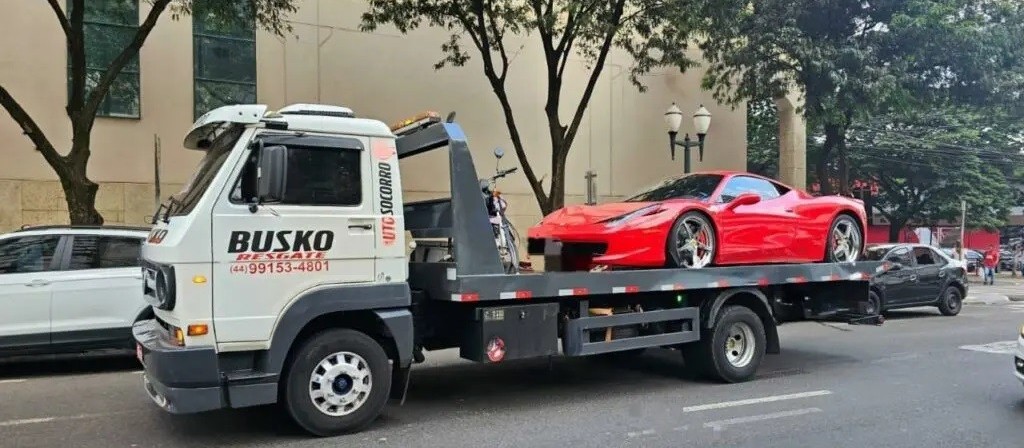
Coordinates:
(701,123)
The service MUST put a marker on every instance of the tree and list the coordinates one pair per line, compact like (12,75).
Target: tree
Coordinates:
(88,87)
(655,33)
(851,58)
(925,163)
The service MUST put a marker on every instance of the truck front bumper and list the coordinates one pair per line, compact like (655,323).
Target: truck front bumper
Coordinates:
(181,380)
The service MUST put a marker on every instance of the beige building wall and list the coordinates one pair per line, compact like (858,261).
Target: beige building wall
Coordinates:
(382,75)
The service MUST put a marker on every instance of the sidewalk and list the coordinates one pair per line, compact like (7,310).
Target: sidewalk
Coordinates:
(1006,289)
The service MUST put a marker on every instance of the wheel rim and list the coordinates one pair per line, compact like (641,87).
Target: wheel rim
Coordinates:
(953,300)
(845,241)
(695,243)
(740,346)
(873,305)
(340,384)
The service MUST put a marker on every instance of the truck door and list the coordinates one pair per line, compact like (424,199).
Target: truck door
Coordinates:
(321,232)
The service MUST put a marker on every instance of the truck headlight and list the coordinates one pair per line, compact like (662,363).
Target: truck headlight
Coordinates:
(1022,331)
(159,286)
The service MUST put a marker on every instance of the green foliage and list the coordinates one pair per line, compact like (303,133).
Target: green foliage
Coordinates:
(927,161)
(763,137)
(851,58)
(270,15)
(655,33)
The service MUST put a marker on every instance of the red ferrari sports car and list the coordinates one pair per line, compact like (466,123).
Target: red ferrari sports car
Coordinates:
(704,219)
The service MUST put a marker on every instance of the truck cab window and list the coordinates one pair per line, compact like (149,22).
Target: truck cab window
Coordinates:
(323,176)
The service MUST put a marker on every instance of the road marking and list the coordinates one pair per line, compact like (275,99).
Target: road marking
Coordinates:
(719,425)
(729,404)
(646,432)
(998,348)
(30,421)
(12,381)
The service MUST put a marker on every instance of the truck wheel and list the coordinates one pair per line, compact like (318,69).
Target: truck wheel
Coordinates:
(732,351)
(338,382)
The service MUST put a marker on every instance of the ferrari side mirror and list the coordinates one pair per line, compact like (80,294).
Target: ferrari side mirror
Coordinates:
(743,199)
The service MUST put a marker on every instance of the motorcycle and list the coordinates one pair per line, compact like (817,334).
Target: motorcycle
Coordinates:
(505,235)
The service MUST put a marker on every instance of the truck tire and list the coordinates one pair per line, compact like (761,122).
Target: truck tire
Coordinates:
(732,351)
(338,382)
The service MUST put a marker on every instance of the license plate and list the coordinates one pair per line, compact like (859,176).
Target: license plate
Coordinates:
(138,352)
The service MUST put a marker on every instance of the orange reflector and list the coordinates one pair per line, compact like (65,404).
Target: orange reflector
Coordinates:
(179,336)
(199,279)
(198,329)
(428,115)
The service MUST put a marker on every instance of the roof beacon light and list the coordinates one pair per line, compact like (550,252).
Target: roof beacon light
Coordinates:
(411,124)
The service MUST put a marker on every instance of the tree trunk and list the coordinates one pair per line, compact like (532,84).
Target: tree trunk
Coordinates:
(556,196)
(844,167)
(80,194)
(832,135)
(79,191)
(895,228)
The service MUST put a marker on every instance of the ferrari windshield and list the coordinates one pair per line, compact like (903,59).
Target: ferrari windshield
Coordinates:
(695,186)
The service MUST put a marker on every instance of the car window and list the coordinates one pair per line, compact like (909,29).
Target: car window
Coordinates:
(901,255)
(104,252)
(745,184)
(939,259)
(27,254)
(924,256)
(696,186)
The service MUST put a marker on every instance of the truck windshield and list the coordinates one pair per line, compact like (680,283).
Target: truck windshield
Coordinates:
(186,200)
(697,186)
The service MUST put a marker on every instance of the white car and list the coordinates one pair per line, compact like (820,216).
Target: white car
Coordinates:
(66,289)
(1018,358)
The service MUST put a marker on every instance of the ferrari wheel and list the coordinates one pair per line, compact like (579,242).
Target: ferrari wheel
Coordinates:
(691,241)
(844,240)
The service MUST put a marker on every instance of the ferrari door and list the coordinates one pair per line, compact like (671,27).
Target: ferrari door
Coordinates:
(756,233)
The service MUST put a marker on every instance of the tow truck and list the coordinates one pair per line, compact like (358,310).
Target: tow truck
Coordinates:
(281,274)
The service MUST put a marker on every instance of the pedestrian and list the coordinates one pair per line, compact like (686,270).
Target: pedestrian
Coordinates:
(1015,261)
(990,262)
(958,252)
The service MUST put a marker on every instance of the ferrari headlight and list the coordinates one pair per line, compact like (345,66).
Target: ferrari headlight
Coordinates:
(619,220)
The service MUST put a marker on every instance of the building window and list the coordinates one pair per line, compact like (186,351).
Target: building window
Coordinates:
(109,27)
(224,52)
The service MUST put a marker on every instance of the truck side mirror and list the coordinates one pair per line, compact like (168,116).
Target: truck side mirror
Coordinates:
(272,174)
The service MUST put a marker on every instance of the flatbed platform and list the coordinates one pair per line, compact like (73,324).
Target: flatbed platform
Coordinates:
(443,281)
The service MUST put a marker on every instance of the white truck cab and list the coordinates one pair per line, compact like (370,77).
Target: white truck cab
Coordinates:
(289,205)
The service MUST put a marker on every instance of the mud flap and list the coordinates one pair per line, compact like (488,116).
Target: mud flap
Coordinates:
(400,384)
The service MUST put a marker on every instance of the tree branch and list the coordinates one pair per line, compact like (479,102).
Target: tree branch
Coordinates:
(103,86)
(31,129)
(613,28)
(76,49)
(499,39)
(478,33)
(61,17)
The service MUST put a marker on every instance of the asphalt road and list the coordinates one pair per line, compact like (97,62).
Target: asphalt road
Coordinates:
(919,380)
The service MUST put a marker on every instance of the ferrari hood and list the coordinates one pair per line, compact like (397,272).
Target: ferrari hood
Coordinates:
(575,215)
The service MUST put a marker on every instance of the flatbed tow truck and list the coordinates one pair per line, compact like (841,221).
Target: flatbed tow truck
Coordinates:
(280,275)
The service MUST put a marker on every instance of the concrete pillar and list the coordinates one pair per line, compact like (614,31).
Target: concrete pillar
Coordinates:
(792,141)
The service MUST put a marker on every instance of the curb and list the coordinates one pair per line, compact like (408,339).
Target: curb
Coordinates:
(991,299)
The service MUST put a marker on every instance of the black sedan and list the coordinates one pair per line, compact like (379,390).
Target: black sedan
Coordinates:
(920,275)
